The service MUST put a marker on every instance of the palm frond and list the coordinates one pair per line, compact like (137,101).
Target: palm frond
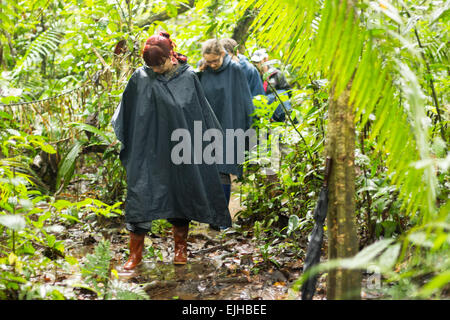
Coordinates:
(328,37)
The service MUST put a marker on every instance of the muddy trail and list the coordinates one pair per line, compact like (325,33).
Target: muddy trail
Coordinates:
(233,264)
(225,265)
(220,266)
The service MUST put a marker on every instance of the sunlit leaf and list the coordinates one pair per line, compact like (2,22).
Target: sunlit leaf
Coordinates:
(293,223)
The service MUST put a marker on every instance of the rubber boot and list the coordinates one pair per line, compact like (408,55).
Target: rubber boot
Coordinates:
(180,235)
(136,248)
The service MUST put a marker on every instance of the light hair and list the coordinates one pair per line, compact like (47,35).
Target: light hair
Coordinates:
(229,45)
(212,46)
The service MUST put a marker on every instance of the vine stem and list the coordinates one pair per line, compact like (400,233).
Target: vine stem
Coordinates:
(14,212)
(430,80)
(290,119)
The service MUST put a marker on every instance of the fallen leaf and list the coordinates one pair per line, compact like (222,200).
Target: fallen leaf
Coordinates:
(280,284)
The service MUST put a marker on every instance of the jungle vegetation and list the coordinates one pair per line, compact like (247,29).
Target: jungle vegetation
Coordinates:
(370,89)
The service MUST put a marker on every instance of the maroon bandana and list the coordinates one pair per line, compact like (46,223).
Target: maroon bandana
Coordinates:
(160,47)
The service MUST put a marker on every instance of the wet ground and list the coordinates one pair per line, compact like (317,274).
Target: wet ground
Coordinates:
(226,265)
(221,265)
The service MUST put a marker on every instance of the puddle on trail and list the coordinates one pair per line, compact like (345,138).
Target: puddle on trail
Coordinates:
(218,268)
(193,281)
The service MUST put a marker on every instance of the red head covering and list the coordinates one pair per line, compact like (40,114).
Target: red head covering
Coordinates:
(160,47)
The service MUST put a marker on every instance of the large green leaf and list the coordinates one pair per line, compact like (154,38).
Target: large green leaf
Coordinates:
(94,130)
(435,284)
(293,224)
(67,165)
(42,46)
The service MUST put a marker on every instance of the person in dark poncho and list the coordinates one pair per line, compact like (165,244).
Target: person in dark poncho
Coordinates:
(227,90)
(161,97)
(277,82)
(253,77)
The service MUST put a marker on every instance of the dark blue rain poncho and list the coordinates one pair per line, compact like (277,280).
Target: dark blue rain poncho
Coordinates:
(279,83)
(152,107)
(253,78)
(228,93)
(279,115)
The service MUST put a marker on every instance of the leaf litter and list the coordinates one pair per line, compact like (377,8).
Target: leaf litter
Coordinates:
(221,265)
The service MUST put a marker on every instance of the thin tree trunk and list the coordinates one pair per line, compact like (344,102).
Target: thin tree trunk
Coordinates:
(162,16)
(341,220)
(44,57)
(240,32)
(342,235)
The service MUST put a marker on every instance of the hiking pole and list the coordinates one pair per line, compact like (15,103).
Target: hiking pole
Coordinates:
(315,243)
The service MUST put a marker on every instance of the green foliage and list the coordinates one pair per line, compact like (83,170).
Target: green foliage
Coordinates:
(391,59)
(42,47)
(32,244)
(394,55)
(19,258)
(67,166)
(423,276)
(280,186)
(96,270)
(160,227)
(374,70)
(97,274)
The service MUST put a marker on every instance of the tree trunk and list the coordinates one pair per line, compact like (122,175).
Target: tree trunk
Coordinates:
(240,32)
(162,16)
(342,235)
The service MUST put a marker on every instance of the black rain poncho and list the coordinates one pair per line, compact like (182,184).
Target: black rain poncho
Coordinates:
(228,93)
(152,107)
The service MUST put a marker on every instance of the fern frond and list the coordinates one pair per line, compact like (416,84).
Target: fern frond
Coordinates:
(127,291)
(42,46)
